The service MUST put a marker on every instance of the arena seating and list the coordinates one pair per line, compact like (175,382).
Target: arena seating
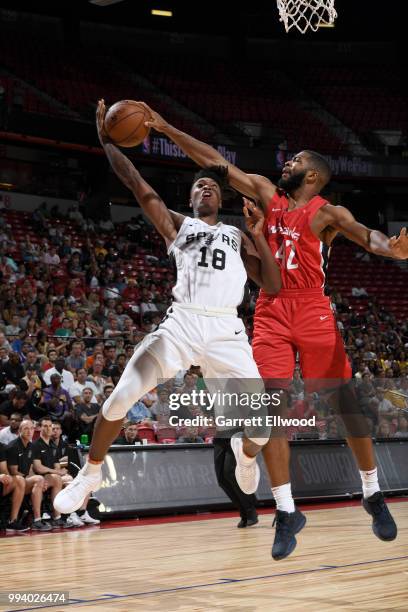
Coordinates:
(18,95)
(382,279)
(349,94)
(78,78)
(221,92)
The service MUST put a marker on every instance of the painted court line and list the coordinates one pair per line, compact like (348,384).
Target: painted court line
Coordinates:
(220,582)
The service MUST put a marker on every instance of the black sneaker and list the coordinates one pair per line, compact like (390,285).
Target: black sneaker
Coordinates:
(252,519)
(287,525)
(60,523)
(41,526)
(384,525)
(248,521)
(16,527)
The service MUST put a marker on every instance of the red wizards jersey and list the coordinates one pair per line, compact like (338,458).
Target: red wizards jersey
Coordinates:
(301,256)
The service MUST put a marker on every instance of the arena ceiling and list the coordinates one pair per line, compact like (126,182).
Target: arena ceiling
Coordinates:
(357,20)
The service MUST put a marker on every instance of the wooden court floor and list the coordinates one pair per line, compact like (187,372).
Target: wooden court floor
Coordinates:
(210,565)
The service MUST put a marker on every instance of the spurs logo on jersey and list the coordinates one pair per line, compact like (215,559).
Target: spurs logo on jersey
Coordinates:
(302,257)
(209,266)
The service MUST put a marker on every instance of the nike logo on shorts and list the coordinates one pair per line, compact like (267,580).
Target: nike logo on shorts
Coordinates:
(238,332)
(323,318)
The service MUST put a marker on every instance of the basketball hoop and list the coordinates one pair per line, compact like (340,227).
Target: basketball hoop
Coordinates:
(306,14)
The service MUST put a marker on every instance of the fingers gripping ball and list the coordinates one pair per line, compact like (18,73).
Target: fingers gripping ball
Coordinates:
(125,123)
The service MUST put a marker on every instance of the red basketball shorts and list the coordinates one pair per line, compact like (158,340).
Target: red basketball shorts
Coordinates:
(298,321)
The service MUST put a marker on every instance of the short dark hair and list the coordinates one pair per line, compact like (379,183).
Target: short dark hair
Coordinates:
(21,395)
(219,174)
(321,164)
(130,424)
(44,418)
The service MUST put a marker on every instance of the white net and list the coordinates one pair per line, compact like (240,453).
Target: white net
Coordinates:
(306,14)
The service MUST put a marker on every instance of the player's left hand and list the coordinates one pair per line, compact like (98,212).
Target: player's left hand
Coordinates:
(254,218)
(155,120)
(100,122)
(399,245)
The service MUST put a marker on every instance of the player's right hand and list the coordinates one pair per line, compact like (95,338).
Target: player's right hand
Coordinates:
(254,218)
(399,245)
(155,121)
(100,119)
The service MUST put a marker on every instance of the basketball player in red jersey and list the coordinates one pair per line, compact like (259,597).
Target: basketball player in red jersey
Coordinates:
(300,227)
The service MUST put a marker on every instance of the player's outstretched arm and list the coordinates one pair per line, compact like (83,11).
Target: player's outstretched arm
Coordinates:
(371,240)
(251,185)
(165,221)
(259,262)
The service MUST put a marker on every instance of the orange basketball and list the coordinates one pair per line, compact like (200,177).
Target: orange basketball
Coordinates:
(124,123)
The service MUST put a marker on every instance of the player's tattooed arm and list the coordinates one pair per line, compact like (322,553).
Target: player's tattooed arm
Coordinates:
(166,222)
(251,185)
(371,240)
(257,256)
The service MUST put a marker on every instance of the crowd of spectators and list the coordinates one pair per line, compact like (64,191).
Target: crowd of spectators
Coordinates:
(76,296)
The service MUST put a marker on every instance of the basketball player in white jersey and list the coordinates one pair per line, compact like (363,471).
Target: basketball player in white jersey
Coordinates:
(201,326)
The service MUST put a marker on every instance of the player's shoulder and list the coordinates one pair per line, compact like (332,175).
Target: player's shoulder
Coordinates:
(178,219)
(278,201)
(229,228)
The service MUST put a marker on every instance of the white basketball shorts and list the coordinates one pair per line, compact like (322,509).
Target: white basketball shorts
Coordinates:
(212,338)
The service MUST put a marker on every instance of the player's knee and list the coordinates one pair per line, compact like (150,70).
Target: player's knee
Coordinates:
(116,406)
(19,482)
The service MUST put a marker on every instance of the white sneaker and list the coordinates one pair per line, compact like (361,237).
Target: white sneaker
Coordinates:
(73,496)
(74,520)
(88,520)
(45,516)
(247,475)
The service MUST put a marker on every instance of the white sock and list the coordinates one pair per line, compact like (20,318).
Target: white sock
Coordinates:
(91,469)
(370,482)
(283,498)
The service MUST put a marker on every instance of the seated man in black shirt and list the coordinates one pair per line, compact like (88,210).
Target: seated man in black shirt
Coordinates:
(46,464)
(60,444)
(81,517)
(86,412)
(19,455)
(130,434)
(14,486)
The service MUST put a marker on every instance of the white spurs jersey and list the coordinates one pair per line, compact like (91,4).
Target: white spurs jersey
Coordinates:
(210,270)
